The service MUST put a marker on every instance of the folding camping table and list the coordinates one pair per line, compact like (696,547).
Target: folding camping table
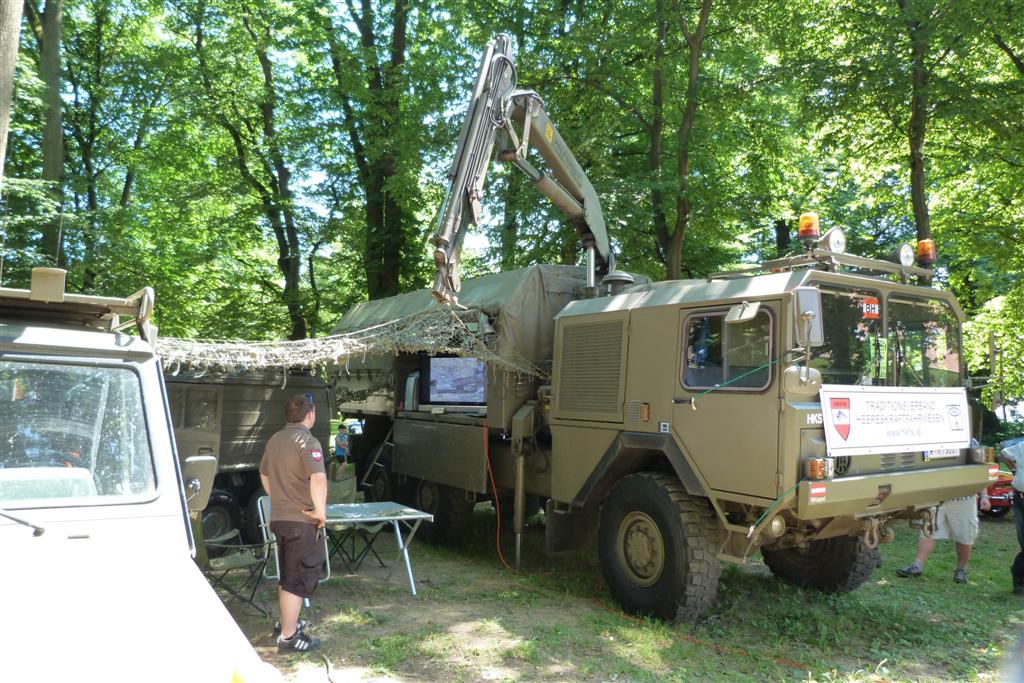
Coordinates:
(367,520)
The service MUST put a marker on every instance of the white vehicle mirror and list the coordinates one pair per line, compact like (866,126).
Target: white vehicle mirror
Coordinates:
(807,313)
(198,475)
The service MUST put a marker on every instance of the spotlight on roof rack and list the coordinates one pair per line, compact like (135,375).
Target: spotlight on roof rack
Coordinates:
(834,240)
(903,256)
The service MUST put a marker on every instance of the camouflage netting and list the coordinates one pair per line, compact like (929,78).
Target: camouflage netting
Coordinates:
(507,323)
(440,330)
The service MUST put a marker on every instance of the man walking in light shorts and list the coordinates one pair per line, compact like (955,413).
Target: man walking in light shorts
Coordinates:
(956,520)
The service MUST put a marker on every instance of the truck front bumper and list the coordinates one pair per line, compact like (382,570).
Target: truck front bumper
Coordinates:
(890,491)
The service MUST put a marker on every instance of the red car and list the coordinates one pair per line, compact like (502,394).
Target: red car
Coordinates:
(1000,495)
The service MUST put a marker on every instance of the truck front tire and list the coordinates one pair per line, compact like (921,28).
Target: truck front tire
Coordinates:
(833,565)
(657,548)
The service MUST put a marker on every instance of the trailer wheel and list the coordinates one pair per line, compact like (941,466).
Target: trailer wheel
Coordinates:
(453,513)
(833,565)
(657,548)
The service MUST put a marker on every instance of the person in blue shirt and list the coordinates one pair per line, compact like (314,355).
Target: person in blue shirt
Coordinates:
(341,445)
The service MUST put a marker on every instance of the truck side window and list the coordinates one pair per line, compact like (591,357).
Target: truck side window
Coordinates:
(201,409)
(717,352)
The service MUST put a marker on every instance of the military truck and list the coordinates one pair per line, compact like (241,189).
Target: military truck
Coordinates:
(795,409)
(231,415)
(98,577)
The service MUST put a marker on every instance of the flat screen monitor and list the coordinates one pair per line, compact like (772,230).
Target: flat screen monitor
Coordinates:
(454,381)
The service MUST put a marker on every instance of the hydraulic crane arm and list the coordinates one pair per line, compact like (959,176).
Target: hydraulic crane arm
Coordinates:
(494,107)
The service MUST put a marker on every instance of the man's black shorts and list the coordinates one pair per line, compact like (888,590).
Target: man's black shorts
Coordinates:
(300,550)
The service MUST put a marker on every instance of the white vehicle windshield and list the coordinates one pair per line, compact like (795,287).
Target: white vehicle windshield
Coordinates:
(71,435)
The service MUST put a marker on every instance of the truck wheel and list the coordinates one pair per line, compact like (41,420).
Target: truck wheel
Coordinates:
(657,549)
(379,485)
(833,565)
(453,513)
(222,514)
(251,518)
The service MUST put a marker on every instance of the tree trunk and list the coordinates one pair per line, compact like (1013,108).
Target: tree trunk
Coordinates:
(46,26)
(280,210)
(10,32)
(273,187)
(377,163)
(509,232)
(918,124)
(783,236)
(657,129)
(673,246)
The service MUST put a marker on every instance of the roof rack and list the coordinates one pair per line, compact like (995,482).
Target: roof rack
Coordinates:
(47,300)
(829,260)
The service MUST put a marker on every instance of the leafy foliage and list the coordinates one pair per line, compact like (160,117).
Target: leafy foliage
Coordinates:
(292,161)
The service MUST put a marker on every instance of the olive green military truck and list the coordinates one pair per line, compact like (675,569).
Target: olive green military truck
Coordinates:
(97,578)
(231,415)
(794,410)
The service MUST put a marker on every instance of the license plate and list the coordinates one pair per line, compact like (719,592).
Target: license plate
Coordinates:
(941,453)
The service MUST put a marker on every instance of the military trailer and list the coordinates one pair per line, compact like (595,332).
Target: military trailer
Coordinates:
(795,409)
(94,509)
(231,416)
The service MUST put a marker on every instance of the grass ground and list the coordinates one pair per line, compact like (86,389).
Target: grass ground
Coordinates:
(473,620)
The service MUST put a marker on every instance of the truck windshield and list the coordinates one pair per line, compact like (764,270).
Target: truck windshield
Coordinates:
(919,346)
(925,340)
(854,350)
(71,435)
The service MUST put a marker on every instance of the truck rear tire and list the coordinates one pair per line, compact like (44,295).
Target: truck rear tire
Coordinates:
(251,518)
(453,513)
(833,565)
(222,514)
(657,549)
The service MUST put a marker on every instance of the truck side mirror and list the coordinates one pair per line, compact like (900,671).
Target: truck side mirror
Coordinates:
(198,474)
(807,313)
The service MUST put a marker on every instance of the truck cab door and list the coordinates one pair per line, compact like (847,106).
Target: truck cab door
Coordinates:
(726,405)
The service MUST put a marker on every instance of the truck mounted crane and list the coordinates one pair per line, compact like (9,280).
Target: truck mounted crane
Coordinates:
(494,107)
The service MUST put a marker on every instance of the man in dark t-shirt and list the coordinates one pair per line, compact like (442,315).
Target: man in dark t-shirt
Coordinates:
(292,472)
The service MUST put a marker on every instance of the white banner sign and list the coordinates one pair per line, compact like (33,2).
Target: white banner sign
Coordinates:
(860,420)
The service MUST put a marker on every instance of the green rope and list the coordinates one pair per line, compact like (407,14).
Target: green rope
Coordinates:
(777,501)
(736,379)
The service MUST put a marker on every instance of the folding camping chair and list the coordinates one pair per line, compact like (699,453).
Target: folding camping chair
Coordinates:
(343,539)
(272,570)
(233,569)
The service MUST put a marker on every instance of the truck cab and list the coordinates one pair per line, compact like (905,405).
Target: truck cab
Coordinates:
(94,507)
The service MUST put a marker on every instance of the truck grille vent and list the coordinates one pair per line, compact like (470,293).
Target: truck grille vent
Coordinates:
(633,411)
(591,358)
(897,461)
